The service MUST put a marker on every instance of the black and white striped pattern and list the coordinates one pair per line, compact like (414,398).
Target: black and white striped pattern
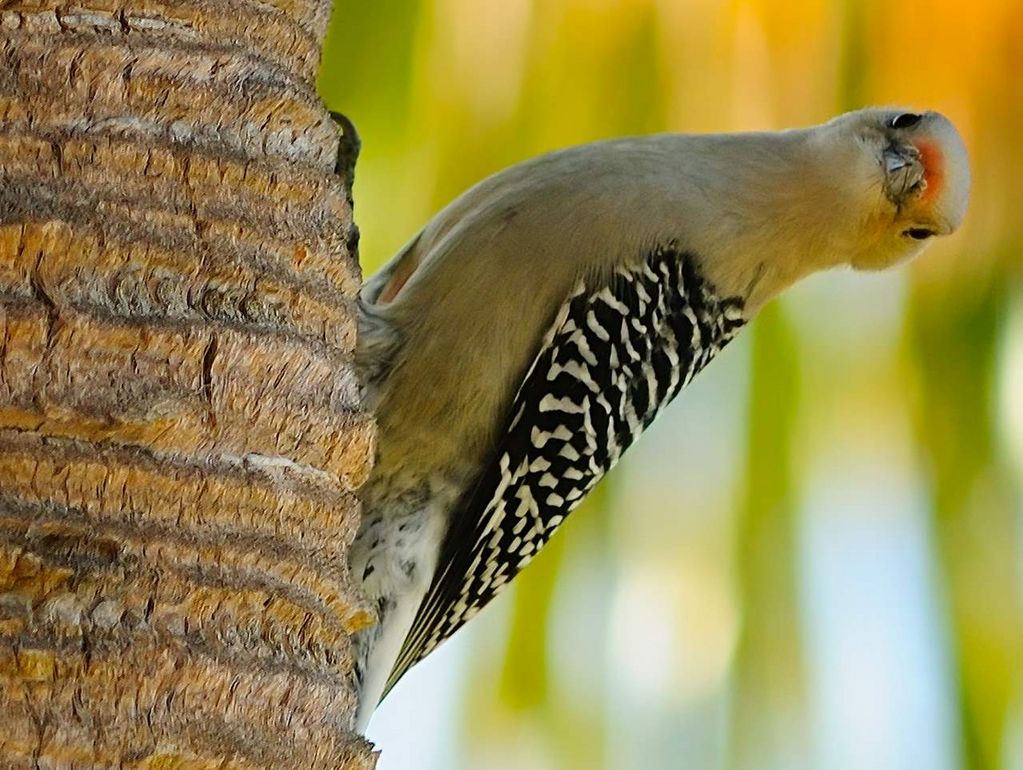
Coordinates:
(613,358)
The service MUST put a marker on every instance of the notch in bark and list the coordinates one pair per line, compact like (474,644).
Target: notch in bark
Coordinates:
(181,433)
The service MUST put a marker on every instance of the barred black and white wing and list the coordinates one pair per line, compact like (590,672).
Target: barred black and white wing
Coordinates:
(613,358)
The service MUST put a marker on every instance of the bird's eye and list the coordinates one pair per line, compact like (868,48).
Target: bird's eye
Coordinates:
(906,120)
(918,233)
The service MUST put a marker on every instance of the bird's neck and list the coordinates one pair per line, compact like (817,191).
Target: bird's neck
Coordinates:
(781,218)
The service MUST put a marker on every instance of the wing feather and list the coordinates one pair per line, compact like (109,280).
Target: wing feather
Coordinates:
(612,358)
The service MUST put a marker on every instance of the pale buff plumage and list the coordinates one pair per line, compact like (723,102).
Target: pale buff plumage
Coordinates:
(450,325)
(760,211)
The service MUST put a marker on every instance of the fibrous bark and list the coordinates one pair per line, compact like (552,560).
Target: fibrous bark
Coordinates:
(180,431)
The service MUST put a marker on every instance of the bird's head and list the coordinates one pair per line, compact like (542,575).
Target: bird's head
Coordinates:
(906,178)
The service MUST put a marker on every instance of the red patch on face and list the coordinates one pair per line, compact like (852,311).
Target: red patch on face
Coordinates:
(934,167)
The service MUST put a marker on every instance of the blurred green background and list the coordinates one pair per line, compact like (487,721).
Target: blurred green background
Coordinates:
(813,559)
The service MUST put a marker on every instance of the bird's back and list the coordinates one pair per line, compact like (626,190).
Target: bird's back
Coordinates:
(507,253)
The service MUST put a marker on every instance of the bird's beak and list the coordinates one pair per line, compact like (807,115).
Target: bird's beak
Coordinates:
(904,171)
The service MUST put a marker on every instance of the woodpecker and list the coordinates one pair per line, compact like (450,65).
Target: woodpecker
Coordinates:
(522,341)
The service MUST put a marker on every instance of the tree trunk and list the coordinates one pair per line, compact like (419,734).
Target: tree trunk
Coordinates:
(180,430)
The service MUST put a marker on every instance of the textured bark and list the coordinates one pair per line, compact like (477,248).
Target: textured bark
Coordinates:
(180,431)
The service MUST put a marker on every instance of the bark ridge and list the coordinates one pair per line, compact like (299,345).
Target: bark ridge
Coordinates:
(181,432)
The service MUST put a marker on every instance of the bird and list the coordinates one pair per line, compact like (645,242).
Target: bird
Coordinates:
(516,347)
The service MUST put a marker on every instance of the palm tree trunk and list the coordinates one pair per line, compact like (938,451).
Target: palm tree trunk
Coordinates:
(181,434)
